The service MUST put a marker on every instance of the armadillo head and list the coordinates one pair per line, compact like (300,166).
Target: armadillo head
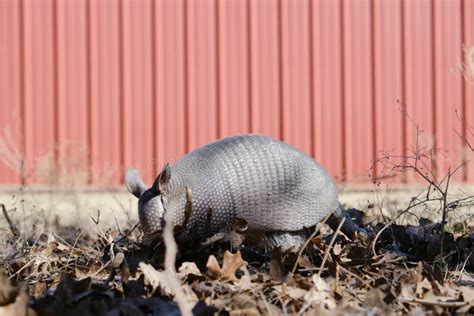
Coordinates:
(151,211)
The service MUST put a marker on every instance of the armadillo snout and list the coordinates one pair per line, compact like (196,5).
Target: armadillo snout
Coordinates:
(151,213)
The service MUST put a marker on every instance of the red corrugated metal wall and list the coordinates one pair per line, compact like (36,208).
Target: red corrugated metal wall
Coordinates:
(88,87)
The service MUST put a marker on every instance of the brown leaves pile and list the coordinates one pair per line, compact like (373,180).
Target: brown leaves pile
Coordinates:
(118,276)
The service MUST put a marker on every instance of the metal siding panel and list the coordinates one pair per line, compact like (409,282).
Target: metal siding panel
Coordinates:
(171,128)
(105,107)
(448,86)
(201,62)
(138,120)
(265,111)
(168,76)
(327,72)
(358,89)
(468,42)
(419,94)
(297,128)
(234,75)
(10,92)
(388,81)
(71,52)
(40,101)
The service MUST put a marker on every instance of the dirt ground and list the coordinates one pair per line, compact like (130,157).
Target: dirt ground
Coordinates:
(117,206)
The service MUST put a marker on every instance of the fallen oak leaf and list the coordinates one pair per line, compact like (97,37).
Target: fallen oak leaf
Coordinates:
(161,280)
(230,265)
(213,267)
(156,279)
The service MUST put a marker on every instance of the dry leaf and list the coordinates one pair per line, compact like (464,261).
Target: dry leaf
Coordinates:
(337,249)
(320,294)
(8,292)
(232,263)
(305,262)
(189,269)
(423,287)
(467,294)
(277,270)
(118,259)
(252,311)
(19,307)
(296,293)
(244,283)
(409,282)
(213,267)
(374,298)
(320,284)
(156,279)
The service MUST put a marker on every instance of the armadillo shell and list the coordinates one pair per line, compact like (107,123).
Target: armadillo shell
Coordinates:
(269,184)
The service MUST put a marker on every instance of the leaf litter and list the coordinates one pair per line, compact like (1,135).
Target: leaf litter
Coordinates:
(109,272)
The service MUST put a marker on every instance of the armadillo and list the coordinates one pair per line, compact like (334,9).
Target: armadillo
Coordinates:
(277,189)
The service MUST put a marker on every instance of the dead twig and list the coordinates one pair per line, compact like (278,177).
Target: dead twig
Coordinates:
(432,303)
(15,231)
(308,240)
(326,253)
(347,271)
(422,164)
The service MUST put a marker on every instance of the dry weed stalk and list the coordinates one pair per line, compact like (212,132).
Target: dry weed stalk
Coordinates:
(420,162)
(15,231)
(331,243)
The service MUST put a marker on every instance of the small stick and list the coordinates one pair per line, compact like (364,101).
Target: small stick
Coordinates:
(326,254)
(116,222)
(366,283)
(432,303)
(13,228)
(300,253)
(311,269)
(96,221)
(23,268)
(128,234)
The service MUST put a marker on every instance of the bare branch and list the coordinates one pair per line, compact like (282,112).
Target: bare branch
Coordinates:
(15,231)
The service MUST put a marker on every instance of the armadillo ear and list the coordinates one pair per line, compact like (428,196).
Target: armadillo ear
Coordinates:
(163,178)
(134,183)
